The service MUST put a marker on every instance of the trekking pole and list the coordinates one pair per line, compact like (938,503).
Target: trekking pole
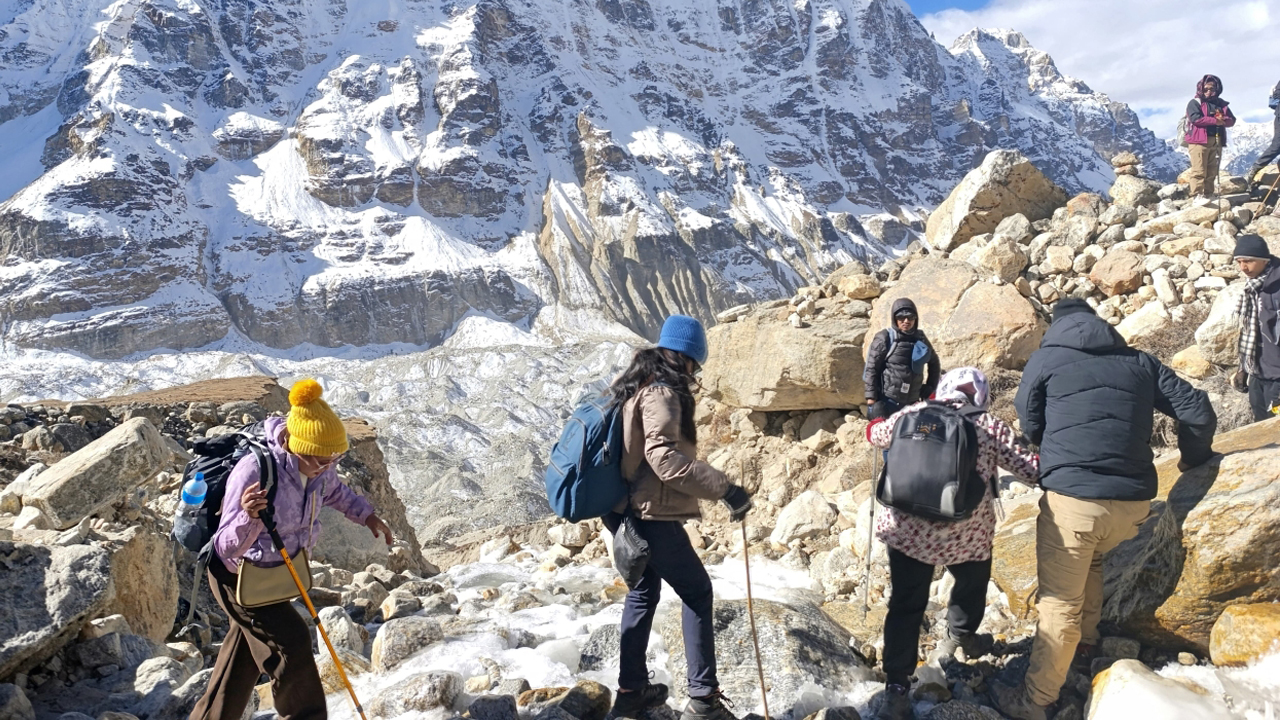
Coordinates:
(871,533)
(746,560)
(270,522)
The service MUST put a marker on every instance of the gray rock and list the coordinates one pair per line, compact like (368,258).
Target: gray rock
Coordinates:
(343,631)
(91,412)
(602,648)
(511,686)
(14,704)
(105,650)
(70,436)
(960,710)
(798,642)
(586,700)
(835,713)
(99,474)
(179,705)
(1120,648)
(64,588)
(233,413)
(400,638)
(494,707)
(74,716)
(417,693)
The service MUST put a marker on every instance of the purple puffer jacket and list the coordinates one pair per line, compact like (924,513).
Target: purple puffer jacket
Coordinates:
(240,536)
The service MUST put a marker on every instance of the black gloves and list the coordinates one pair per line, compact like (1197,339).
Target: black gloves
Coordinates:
(1240,381)
(878,410)
(738,501)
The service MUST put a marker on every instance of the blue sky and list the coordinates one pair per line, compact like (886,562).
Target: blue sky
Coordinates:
(1136,51)
(924,7)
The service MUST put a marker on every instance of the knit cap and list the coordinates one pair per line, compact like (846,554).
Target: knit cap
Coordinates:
(314,428)
(1251,246)
(684,335)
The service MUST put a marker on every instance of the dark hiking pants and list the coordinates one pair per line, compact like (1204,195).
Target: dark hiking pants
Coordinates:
(273,639)
(1263,394)
(672,559)
(908,598)
(1269,155)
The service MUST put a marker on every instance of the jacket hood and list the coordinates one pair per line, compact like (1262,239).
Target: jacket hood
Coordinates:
(902,304)
(1205,79)
(1083,331)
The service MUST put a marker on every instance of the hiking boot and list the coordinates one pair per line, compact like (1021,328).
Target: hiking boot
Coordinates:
(971,647)
(1014,702)
(1082,661)
(894,703)
(710,707)
(631,704)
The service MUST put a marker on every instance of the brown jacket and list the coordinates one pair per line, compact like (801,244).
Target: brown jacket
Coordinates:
(666,478)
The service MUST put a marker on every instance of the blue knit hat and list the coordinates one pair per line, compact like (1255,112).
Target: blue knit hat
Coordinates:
(684,335)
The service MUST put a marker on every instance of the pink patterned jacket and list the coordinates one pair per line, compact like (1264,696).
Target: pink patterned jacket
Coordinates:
(949,543)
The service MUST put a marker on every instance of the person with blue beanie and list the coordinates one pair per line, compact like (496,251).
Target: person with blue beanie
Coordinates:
(666,482)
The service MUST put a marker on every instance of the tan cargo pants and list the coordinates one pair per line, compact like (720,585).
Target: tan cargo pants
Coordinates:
(1072,536)
(1205,161)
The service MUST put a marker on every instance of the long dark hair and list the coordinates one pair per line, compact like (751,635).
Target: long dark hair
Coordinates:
(660,366)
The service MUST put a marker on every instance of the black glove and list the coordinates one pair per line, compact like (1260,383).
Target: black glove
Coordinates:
(738,501)
(1240,381)
(878,410)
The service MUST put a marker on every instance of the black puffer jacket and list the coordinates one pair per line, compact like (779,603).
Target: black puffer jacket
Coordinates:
(889,372)
(1088,400)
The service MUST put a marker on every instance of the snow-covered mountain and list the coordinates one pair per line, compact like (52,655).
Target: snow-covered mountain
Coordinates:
(367,173)
(279,182)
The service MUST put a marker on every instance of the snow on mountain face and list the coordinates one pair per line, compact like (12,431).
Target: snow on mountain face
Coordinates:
(318,171)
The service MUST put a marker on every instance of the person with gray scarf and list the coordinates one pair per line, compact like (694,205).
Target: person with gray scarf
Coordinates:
(1259,312)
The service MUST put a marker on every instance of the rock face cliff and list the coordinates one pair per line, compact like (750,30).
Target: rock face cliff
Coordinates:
(333,173)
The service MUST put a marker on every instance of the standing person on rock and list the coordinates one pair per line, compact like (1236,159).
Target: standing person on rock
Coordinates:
(666,482)
(917,545)
(1259,312)
(896,363)
(1272,151)
(274,639)
(1089,401)
(1208,118)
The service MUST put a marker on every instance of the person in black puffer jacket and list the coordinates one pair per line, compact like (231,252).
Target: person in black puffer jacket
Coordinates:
(1088,400)
(896,363)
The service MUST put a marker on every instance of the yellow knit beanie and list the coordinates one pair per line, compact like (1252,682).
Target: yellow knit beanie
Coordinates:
(314,429)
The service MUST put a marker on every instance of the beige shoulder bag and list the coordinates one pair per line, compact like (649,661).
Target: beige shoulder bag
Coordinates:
(258,586)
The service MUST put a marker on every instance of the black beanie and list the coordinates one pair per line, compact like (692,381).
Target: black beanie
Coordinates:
(1251,246)
(1071,306)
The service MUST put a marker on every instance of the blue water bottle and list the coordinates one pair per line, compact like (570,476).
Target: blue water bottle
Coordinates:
(186,519)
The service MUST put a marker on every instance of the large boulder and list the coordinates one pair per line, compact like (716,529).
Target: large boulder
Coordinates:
(146,582)
(799,644)
(1005,184)
(1130,689)
(1245,633)
(968,322)
(764,363)
(1149,321)
(1119,272)
(402,637)
(1218,335)
(1013,555)
(1135,191)
(808,515)
(50,593)
(1166,223)
(98,475)
(417,693)
(1211,542)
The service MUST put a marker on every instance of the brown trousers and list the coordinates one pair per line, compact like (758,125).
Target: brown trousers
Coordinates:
(273,639)
(1205,162)
(1072,537)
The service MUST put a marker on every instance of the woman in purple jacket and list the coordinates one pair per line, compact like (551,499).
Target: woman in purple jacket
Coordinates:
(1208,118)
(273,639)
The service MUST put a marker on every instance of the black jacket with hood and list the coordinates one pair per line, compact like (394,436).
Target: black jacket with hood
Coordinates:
(889,371)
(1088,400)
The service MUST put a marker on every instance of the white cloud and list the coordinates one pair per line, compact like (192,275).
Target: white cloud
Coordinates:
(1147,53)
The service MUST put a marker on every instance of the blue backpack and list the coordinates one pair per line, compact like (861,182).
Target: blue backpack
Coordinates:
(584,474)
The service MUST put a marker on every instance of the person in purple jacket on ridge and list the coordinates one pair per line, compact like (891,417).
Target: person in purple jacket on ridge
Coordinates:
(1208,117)
(274,639)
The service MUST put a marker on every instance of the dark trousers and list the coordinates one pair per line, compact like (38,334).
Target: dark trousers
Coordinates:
(1269,155)
(908,599)
(271,639)
(1263,394)
(672,559)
